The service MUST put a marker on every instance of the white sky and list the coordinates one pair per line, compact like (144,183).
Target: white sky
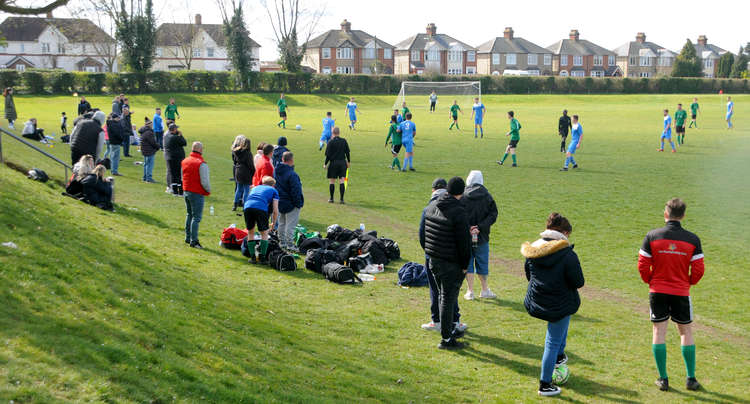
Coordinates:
(606,23)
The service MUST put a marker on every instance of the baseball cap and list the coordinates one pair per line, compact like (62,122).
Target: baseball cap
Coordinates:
(439,183)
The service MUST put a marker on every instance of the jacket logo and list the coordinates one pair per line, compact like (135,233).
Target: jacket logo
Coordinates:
(672,246)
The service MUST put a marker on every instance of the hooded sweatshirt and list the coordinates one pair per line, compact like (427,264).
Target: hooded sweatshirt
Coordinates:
(481,209)
(279,151)
(554,274)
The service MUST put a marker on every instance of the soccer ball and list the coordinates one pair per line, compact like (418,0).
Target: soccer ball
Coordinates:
(560,375)
(299,127)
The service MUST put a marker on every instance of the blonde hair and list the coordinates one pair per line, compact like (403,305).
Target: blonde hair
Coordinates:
(240,143)
(268,180)
(85,166)
(99,171)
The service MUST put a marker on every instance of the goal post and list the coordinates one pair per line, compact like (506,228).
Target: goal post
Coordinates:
(416,94)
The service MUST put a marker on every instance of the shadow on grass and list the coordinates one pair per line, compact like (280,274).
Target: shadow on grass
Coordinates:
(531,351)
(707,396)
(141,216)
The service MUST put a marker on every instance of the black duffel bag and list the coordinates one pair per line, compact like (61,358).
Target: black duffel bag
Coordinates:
(338,273)
(318,257)
(313,243)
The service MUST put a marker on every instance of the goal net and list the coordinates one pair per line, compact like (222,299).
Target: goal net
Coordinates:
(416,94)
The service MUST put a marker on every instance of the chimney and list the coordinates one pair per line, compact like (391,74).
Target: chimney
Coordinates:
(702,40)
(49,14)
(574,35)
(508,33)
(431,29)
(641,37)
(198,19)
(346,26)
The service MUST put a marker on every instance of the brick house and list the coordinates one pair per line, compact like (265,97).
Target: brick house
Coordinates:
(434,53)
(640,58)
(512,53)
(578,57)
(348,51)
(710,55)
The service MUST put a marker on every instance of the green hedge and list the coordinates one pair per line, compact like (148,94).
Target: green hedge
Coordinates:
(39,81)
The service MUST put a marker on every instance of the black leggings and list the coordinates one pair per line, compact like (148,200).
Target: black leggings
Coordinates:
(174,172)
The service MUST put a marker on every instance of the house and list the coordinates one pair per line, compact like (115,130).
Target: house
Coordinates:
(72,44)
(434,53)
(348,51)
(710,55)
(512,53)
(577,57)
(196,46)
(640,58)
(268,66)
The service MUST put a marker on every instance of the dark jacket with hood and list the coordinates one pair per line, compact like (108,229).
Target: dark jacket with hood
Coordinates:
(96,190)
(114,132)
(554,275)
(149,147)
(481,210)
(244,168)
(174,144)
(278,152)
(289,187)
(444,232)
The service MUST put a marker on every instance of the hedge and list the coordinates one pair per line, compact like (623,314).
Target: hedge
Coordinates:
(40,81)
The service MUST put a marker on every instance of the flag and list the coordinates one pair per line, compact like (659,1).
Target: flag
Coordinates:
(346,179)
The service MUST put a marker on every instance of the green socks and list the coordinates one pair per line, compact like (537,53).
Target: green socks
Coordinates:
(660,355)
(396,163)
(281,123)
(505,156)
(263,247)
(451,126)
(513,156)
(688,354)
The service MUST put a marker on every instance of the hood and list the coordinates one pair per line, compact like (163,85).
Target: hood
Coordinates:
(437,194)
(475,178)
(100,117)
(543,249)
(144,129)
(282,170)
(476,191)
(281,141)
(446,200)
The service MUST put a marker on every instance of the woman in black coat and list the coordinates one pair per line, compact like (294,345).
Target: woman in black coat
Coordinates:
(554,275)
(98,190)
(244,169)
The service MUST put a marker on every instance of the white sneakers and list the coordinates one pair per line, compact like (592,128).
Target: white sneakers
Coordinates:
(469,295)
(487,294)
(432,326)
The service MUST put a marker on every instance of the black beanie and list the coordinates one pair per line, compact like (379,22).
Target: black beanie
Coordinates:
(439,183)
(456,186)
(281,141)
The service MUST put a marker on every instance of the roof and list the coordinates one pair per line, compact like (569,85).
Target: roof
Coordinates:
(707,49)
(28,29)
(580,47)
(18,58)
(335,38)
(170,34)
(611,70)
(514,45)
(634,48)
(424,41)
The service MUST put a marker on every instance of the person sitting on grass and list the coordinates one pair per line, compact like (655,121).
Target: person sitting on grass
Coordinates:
(262,198)
(30,131)
(97,190)
(81,169)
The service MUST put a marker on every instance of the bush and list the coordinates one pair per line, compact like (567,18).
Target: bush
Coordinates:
(34,81)
(9,78)
(62,82)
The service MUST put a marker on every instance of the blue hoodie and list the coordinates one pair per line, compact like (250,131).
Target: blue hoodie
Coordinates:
(289,187)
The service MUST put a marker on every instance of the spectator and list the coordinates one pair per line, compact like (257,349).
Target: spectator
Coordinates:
(114,132)
(83,106)
(10,107)
(444,235)
(438,188)
(279,151)
(337,162)
(97,189)
(263,165)
(259,152)
(159,127)
(116,106)
(174,153)
(127,129)
(30,131)
(81,169)
(88,137)
(149,147)
(243,170)
(481,213)
(291,200)
(554,274)
(197,187)
(263,198)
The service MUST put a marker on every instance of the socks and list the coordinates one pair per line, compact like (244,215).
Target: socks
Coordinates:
(452,126)
(679,139)
(562,146)
(332,189)
(683,138)
(688,354)
(481,130)
(457,126)
(475,131)
(263,247)
(283,124)
(513,156)
(567,162)
(660,355)
(573,161)
(672,144)
(662,145)
(505,156)
(396,163)
(342,188)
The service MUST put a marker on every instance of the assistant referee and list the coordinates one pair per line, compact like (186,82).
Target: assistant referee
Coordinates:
(337,162)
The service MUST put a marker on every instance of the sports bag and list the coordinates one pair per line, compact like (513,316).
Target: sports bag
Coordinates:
(38,175)
(375,247)
(412,274)
(231,238)
(359,262)
(338,273)
(392,250)
(313,243)
(317,258)
(286,263)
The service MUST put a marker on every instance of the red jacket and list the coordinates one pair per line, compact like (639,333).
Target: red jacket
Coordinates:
(191,177)
(671,260)
(263,167)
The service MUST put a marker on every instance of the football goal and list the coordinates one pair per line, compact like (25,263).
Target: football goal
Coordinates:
(417,94)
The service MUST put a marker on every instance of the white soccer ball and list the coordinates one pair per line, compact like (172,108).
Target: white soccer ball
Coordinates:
(561,374)
(299,127)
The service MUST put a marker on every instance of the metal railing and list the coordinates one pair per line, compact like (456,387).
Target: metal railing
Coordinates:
(27,143)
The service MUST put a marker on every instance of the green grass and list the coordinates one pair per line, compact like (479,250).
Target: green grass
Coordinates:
(101,307)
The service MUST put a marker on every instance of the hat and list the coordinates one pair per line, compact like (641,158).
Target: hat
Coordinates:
(100,117)
(281,141)
(475,178)
(456,186)
(173,126)
(439,183)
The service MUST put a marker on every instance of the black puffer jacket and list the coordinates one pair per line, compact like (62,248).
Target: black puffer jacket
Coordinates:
(96,190)
(554,275)
(174,145)
(114,132)
(444,232)
(149,147)
(481,210)
(243,166)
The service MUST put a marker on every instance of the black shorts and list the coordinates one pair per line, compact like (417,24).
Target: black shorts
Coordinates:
(513,144)
(256,216)
(282,114)
(664,306)
(680,129)
(455,117)
(337,169)
(694,116)
(563,134)
(395,148)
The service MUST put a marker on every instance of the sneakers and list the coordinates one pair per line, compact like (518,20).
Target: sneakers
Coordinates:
(187,241)
(514,165)
(499,162)
(469,295)
(575,165)
(330,201)
(342,202)
(674,151)
(451,344)
(564,169)
(412,169)
(487,294)
(548,389)
(196,244)
(692,384)
(462,327)
(663,384)
(660,150)
(431,326)
(561,360)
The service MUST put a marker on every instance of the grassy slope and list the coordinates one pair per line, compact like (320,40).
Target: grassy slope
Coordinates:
(135,316)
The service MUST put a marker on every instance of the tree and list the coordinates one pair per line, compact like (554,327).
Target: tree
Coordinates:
(726,61)
(10,6)
(286,22)
(739,68)
(237,37)
(687,64)
(184,36)
(103,14)
(136,32)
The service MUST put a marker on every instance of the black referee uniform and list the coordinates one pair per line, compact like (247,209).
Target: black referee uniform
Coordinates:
(337,156)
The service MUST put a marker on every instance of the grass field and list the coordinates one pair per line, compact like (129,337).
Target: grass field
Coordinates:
(101,307)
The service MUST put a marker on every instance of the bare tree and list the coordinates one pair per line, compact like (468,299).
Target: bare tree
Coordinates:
(101,13)
(182,38)
(290,20)
(12,7)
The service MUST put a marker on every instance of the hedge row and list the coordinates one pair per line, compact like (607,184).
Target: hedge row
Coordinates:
(36,81)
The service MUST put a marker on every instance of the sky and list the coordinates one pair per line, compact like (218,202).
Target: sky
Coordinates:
(543,22)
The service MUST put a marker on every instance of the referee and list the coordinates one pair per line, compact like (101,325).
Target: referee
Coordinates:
(337,162)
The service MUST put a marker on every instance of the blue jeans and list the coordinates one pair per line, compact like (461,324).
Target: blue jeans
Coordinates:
(241,192)
(554,346)
(435,299)
(194,207)
(148,168)
(114,157)
(159,139)
(479,262)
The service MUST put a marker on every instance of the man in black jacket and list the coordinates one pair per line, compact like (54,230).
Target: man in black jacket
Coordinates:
(174,153)
(337,162)
(563,126)
(88,137)
(127,130)
(114,131)
(444,235)
(83,106)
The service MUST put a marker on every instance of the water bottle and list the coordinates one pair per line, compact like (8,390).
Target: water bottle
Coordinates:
(362,227)
(474,240)
(211,210)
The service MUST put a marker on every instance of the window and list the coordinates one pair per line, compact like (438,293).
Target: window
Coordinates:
(471,70)
(533,59)
(21,67)
(366,70)
(645,61)
(708,63)
(326,53)
(387,53)
(598,60)
(456,54)
(370,53)
(563,73)
(210,52)
(433,55)
(327,70)
(91,69)
(22,48)
(577,60)
(344,53)
(611,60)
(632,61)
(159,52)
(644,74)
(597,73)
(60,48)
(547,59)
(665,61)
(578,73)
(45,47)
(415,55)
(344,69)
(495,58)
(196,52)
(454,71)
(563,59)
(510,59)
(471,56)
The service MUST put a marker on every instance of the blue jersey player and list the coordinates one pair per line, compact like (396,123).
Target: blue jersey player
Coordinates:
(730,112)
(477,111)
(576,135)
(667,132)
(408,131)
(328,124)
(351,110)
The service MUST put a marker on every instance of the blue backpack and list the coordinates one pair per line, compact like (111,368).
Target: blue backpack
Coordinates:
(412,274)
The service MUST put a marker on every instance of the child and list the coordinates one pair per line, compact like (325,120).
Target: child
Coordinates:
(575,143)
(667,132)
(328,124)
(455,109)
(395,138)
(64,124)
(515,136)
(477,112)
(351,109)
(408,132)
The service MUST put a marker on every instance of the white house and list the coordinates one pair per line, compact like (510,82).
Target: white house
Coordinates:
(72,44)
